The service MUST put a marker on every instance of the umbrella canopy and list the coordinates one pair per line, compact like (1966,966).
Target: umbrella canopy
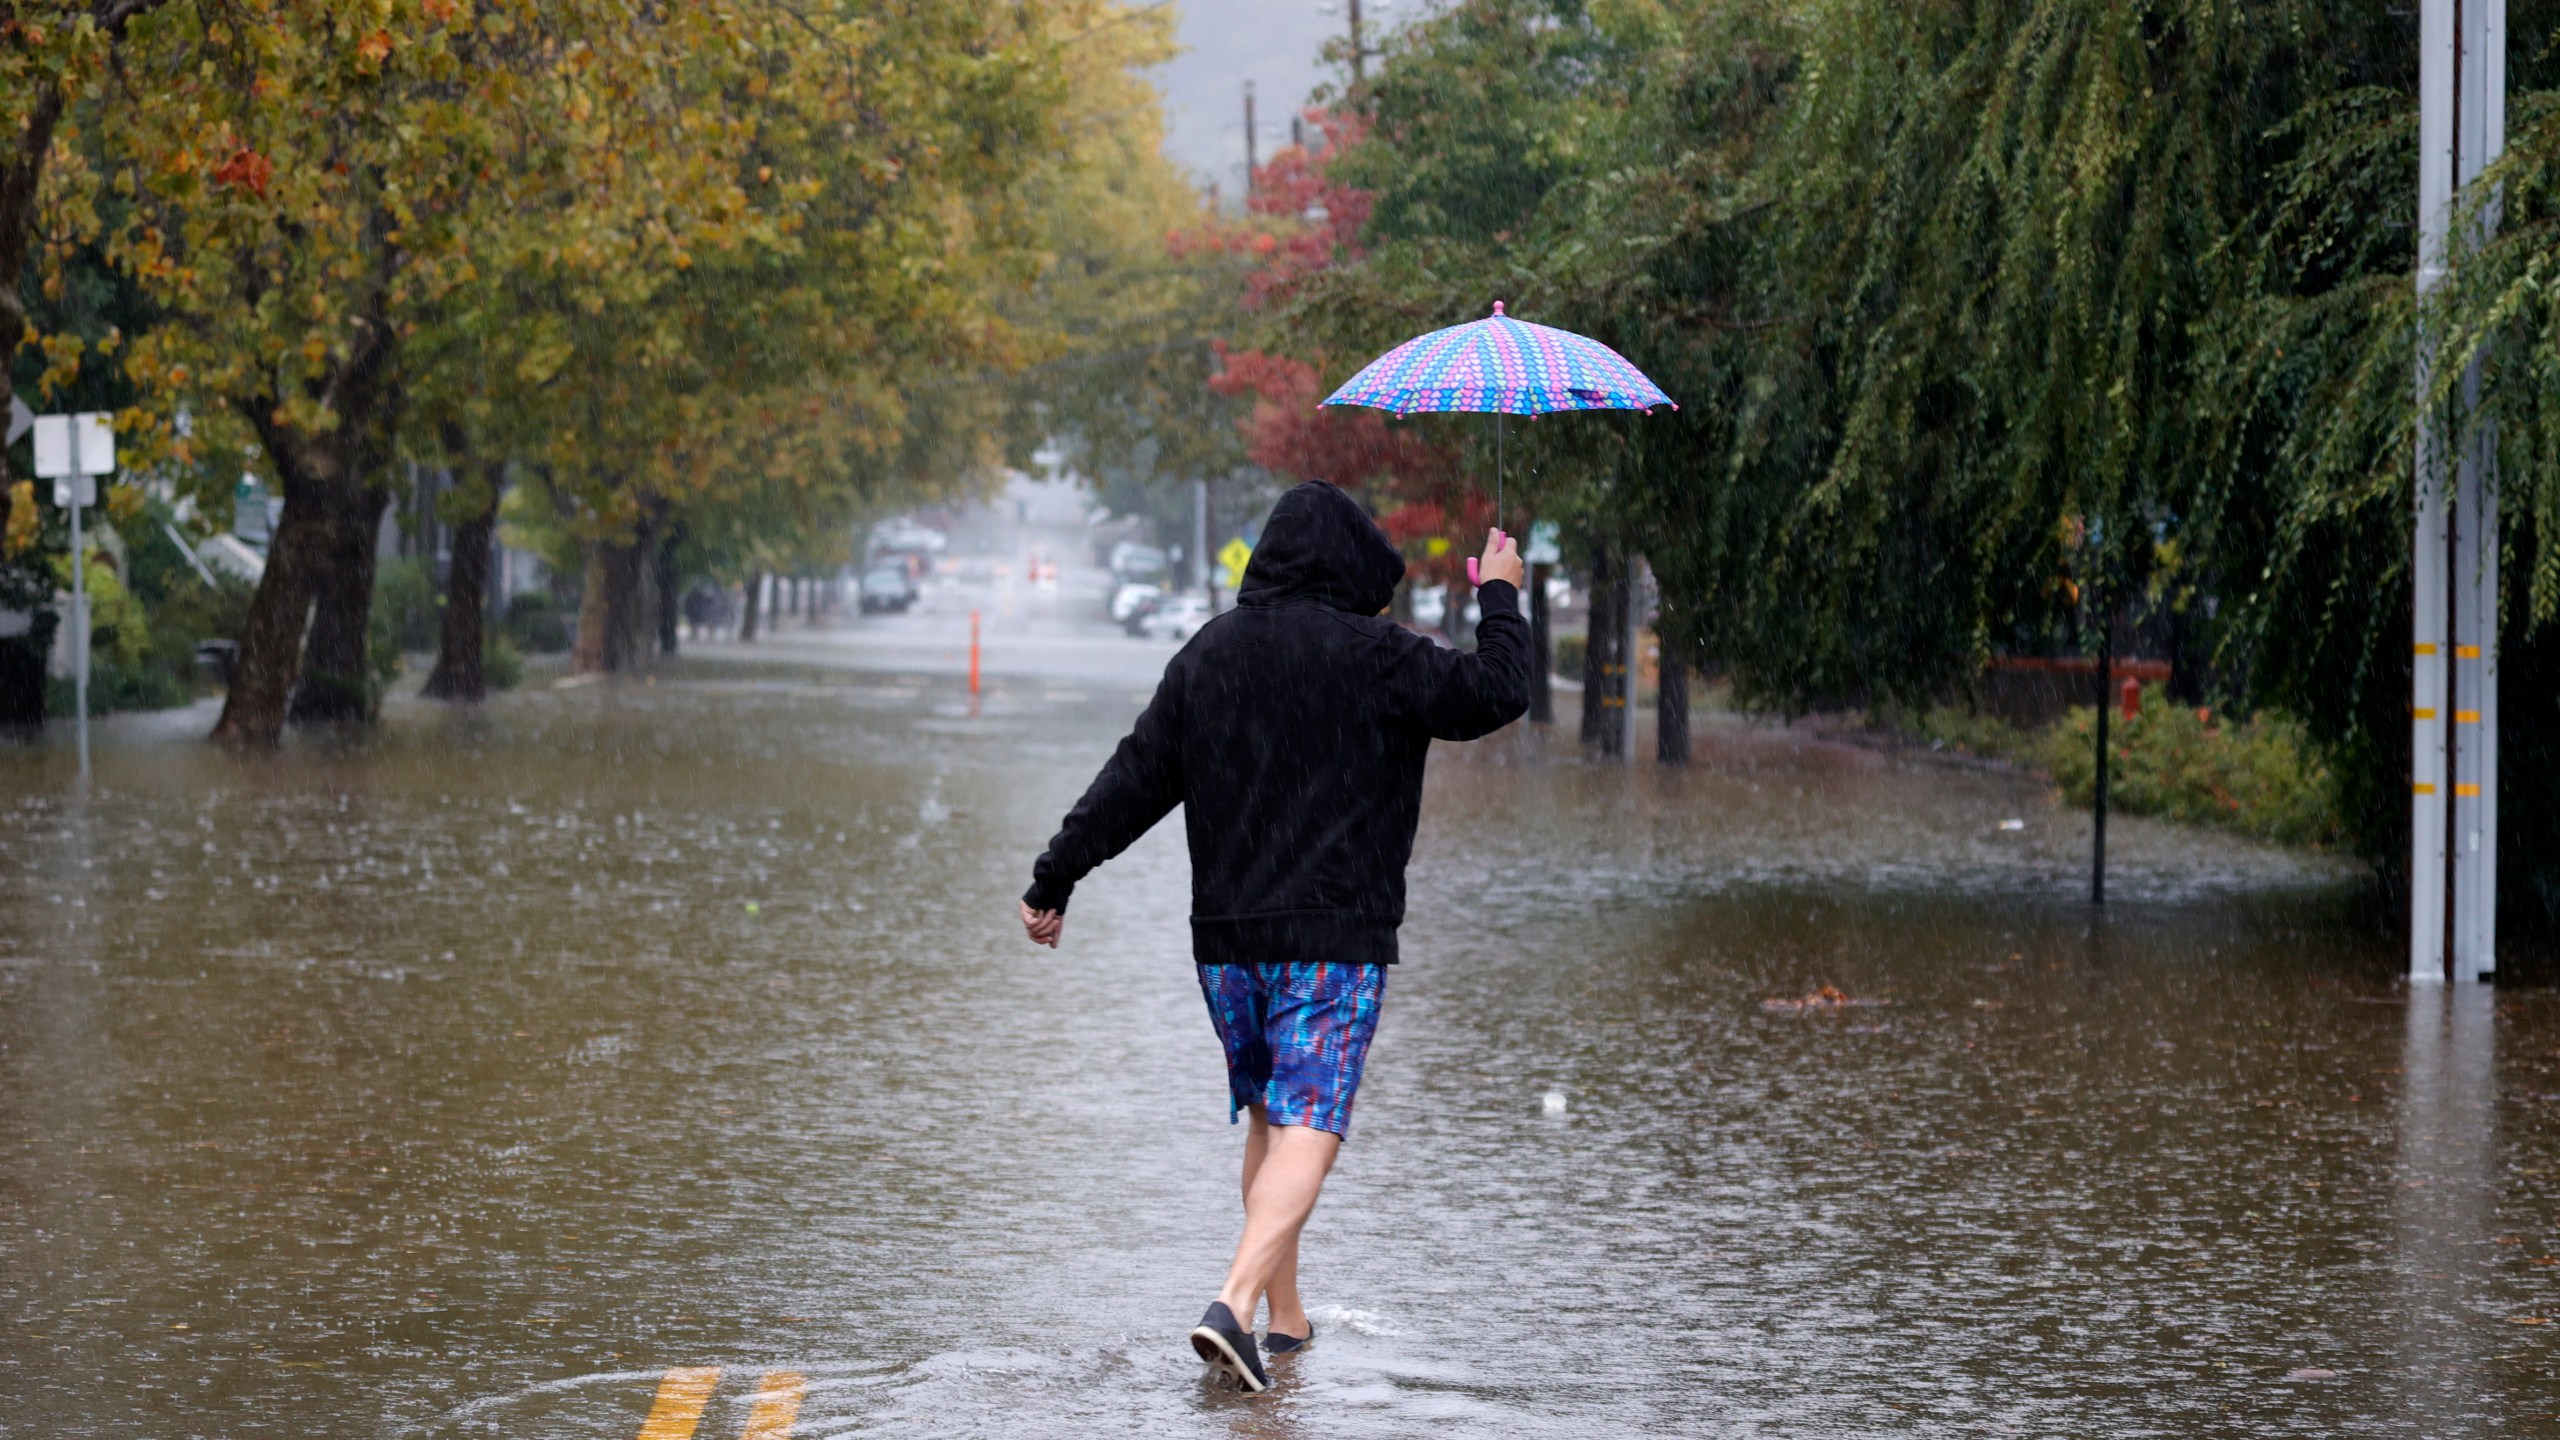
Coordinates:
(1503,366)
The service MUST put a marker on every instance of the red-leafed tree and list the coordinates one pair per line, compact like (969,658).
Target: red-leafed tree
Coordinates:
(1299,221)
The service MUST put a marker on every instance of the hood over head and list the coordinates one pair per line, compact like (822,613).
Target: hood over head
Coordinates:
(1320,545)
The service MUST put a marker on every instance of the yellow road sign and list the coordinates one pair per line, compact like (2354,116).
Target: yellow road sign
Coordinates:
(1233,555)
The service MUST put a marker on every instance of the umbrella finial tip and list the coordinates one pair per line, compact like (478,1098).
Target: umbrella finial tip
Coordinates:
(1497,307)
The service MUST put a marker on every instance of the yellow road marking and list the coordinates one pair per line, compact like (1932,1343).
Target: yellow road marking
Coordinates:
(681,1396)
(777,1404)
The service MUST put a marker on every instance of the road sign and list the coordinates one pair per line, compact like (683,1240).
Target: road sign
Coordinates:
(1233,555)
(1546,543)
(21,419)
(70,449)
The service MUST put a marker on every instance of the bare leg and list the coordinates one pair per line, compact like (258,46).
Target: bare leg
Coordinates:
(1288,1311)
(1287,1169)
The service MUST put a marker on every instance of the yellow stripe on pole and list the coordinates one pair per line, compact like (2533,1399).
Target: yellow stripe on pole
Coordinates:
(2427,647)
(2426,712)
(777,1405)
(681,1396)
(2466,717)
(2466,652)
(2466,789)
(2422,787)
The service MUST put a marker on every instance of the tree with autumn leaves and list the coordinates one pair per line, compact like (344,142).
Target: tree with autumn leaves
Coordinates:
(734,272)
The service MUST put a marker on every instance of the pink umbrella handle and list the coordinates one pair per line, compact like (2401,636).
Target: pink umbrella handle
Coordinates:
(1472,578)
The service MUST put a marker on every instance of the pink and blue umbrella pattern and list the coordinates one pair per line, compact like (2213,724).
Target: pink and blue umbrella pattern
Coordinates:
(1500,365)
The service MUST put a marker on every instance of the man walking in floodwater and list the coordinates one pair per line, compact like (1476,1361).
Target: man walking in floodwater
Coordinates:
(1292,729)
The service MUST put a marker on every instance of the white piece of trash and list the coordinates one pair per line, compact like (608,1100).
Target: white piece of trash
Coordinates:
(1555,1102)
(2013,824)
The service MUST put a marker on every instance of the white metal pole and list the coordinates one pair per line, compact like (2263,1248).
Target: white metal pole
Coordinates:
(2480,134)
(79,607)
(2429,697)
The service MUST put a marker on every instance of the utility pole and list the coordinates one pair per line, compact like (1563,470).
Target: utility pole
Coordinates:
(2453,705)
(1251,153)
(1359,56)
(1200,533)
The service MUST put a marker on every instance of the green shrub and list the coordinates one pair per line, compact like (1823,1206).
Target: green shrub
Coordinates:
(1570,650)
(501,664)
(538,623)
(2260,776)
(1965,732)
(116,685)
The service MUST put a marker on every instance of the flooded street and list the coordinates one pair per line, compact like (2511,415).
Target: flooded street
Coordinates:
(467,1081)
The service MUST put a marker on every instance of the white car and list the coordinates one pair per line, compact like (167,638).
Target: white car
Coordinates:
(1430,605)
(1125,600)
(904,536)
(1178,617)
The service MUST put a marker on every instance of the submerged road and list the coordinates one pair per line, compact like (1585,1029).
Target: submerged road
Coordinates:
(663,1060)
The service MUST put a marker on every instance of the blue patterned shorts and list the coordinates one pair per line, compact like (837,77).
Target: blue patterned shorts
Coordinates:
(1296,1036)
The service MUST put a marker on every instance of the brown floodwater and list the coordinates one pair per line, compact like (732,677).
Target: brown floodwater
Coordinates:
(503,1074)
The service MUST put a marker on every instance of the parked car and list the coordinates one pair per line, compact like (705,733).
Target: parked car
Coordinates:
(1133,562)
(1177,617)
(887,587)
(1430,605)
(1130,597)
(906,537)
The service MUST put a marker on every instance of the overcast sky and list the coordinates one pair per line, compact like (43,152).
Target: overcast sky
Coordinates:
(1273,43)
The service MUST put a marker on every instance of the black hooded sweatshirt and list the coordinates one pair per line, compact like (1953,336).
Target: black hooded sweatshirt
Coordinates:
(1291,730)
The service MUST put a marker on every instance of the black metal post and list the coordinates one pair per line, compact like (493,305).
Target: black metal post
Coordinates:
(1671,706)
(2098,834)
(1542,697)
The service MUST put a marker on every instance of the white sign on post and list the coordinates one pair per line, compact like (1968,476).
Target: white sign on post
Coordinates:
(71,450)
(1546,543)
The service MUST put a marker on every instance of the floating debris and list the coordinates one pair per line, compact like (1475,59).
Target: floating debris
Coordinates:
(1555,1102)
(1829,997)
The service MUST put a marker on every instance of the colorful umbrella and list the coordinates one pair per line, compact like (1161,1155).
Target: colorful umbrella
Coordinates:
(1502,365)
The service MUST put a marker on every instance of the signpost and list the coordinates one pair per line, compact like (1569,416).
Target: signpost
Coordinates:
(72,451)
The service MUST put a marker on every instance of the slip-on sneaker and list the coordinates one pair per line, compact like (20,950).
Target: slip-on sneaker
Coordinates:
(1229,1346)
(1280,1342)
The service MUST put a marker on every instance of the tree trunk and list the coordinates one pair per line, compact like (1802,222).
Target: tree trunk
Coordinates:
(753,607)
(337,673)
(1671,705)
(22,657)
(1604,664)
(669,578)
(616,631)
(271,641)
(1542,693)
(462,638)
